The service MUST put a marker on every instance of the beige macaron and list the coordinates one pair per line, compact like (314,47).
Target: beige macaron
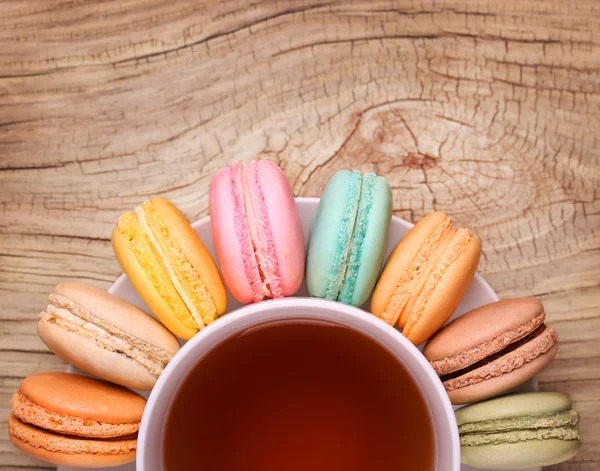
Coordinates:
(106,336)
(75,420)
(492,349)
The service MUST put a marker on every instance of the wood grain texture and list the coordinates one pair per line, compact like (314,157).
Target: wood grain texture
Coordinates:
(488,110)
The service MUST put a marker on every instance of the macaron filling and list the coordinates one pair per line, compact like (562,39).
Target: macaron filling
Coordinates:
(515,436)
(66,314)
(253,231)
(176,266)
(568,418)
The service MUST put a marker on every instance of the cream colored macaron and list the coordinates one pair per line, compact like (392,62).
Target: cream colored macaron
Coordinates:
(105,336)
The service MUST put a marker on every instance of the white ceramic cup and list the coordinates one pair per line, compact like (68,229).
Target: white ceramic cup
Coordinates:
(151,435)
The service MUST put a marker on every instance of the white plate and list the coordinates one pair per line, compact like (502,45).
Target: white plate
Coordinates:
(478,294)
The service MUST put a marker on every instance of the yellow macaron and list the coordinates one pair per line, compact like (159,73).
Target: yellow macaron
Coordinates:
(426,276)
(169,267)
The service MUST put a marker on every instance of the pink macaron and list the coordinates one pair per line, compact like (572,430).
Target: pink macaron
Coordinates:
(257,231)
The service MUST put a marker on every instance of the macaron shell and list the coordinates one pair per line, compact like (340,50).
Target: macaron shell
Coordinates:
(330,220)
(514,405)
(119,313)
(85,453)
(194,250)
(285,225)
(400,259)
(376,227)
(481,325)
(519,455)
(145,288)
(500,384)
(81,460)
(80,396)
(227,244)
(447,294)
(85,354)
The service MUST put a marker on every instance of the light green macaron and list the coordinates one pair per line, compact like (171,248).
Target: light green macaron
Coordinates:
(348,237)
(518,431)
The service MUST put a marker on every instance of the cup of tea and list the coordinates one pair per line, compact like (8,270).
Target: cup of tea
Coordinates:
(298,384)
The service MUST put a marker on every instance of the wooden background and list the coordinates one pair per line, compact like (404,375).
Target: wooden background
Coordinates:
(489,110)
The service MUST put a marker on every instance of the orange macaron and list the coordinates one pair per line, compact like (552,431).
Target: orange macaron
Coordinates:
(426,277)
(75,420)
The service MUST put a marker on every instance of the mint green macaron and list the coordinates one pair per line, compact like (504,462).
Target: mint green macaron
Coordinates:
(348,237)
(518,431)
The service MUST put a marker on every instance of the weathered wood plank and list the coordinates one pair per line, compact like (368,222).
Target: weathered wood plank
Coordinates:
(488,110)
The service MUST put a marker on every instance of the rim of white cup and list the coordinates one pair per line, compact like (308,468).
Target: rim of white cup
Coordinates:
(236,322)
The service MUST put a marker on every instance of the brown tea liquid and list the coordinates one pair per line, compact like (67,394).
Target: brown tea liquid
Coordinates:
(299,397)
